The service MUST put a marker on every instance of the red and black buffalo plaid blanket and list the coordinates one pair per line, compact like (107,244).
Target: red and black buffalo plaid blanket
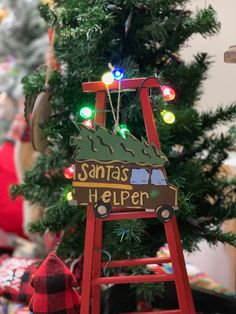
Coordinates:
(54,291)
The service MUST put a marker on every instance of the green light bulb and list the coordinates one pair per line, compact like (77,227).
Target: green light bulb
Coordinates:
(86,112)
(123,130)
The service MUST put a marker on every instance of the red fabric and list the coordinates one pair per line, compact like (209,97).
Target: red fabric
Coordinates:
(17,128)
(11,217)
(6,240)
(15,278)
(54,293)
(25,270)
(25,137)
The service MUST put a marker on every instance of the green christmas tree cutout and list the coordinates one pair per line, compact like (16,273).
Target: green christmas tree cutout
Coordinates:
(103,145)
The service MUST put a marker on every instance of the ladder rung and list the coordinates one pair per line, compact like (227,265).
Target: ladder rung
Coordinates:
(157,312)
(135,262)
(125,84)
(132,279)
(130,215)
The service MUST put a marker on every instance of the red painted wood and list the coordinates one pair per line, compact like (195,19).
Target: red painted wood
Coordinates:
(179,268)
(100,107)
(132,279)
(150,125)
(93,240)
(136,262)
(172,234)
(97,266)
(126,84)
(100,118)
(130,215)
(87,264)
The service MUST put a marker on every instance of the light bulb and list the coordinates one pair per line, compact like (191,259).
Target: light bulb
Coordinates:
(108,78)
(69,197)
(168,116)
(86,112)
(88,124)
(118,74)
(168,93)
(69,172)
(123,130)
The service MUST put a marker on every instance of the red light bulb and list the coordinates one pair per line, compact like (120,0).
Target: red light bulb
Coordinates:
(88,123)
(168,93)
(69,172)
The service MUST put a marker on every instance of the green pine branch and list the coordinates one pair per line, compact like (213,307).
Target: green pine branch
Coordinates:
(87,38)
(102,144)
(221,115)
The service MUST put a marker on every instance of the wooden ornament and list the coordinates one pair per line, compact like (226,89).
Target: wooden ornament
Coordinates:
(41,114)
(114,172)
(121,184)
(230,55)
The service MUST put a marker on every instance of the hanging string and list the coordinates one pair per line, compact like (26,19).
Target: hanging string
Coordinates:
(118,106)
(111,105)
(117,115)
(49,60)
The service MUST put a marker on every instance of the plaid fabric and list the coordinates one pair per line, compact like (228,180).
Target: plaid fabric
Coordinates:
(15,278)
(54,292)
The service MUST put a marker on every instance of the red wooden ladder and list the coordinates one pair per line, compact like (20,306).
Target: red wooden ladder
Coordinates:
(93,264)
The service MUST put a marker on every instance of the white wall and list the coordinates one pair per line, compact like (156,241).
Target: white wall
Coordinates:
(219,88)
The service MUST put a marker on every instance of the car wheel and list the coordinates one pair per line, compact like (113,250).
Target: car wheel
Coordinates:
(165,213)
(101,209)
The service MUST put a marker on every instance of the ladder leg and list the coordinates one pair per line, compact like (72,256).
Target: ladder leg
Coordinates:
(100,107)
(97,265)
(97,254)
(87,265)
(171,229)
(148,117)
(181,278)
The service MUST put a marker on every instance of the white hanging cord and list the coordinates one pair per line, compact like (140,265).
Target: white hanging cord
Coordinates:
(72,266)
(118,107)
(110,101)
(117,116)
(109,260)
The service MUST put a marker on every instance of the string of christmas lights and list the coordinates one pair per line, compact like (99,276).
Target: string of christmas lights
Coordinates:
(87,113)
(116,74)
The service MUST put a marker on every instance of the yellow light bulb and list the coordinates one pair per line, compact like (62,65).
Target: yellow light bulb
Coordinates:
(108,78)
(168,117)
(69,196)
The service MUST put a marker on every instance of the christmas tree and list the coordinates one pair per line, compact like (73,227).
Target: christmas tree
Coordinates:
(23,41)
(144,39)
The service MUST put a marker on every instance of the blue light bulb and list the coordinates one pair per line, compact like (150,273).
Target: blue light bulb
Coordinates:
(118,74)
